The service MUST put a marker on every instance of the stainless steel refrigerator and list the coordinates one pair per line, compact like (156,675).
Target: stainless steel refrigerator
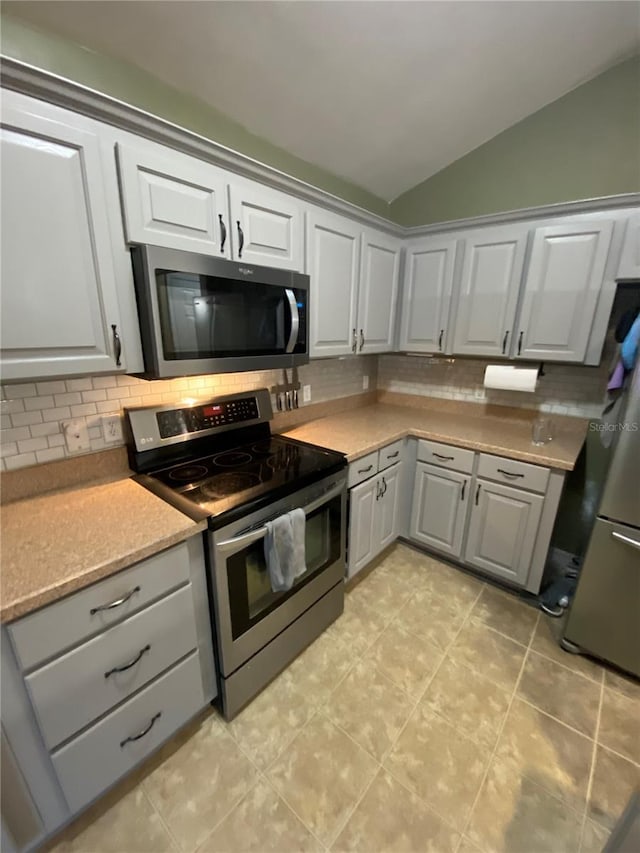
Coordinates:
(604,619)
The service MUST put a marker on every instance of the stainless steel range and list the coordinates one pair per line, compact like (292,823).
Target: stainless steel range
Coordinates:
(217,460)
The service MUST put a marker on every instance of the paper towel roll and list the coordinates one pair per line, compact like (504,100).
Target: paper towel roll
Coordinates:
(510,378)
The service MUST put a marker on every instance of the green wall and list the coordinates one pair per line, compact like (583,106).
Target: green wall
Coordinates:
(131,84)
(584,145)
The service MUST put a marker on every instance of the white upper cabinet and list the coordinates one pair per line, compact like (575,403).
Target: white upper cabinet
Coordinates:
(60,313)
(561,290)
(267,226)
(173,200)
(428,284)
(488,292)
(378,291)
(332,263)
(629,266)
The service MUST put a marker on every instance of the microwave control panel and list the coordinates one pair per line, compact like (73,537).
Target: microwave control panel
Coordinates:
(208,416)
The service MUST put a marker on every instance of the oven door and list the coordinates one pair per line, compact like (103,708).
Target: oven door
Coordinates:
(248,613)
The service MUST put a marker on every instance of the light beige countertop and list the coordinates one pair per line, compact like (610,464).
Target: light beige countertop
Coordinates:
(506,432)
(60,542)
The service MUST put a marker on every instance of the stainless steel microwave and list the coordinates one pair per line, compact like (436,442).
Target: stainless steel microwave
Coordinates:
(200,314)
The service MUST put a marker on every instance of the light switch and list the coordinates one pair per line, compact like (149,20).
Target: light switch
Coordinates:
(306,393)
(76,435)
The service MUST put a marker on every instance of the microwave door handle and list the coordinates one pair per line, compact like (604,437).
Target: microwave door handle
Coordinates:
(295,319)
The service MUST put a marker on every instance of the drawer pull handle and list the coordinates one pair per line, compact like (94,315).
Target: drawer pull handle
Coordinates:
(626,539)
(440,339)
(511,474)
(464,486)
(144,732)
(446,458)
(117,603)
(223,233)
(240,239)
(393,455)
(364,470)
(361,340)
(478,493)
(131,663)
(504,342)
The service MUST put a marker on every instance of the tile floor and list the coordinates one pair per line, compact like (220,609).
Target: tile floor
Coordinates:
(436,715)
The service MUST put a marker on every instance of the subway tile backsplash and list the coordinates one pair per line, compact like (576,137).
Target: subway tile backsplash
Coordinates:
(32,412)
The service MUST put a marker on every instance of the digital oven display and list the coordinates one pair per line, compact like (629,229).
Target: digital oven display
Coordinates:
(211,411)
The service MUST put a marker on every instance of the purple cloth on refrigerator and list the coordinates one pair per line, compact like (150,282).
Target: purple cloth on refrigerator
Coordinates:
(617,377)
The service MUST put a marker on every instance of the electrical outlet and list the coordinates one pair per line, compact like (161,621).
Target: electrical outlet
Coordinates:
(365,383)
(112,429)
(306,393)
(76,436)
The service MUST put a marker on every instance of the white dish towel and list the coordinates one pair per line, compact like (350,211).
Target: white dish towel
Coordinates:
(284,549)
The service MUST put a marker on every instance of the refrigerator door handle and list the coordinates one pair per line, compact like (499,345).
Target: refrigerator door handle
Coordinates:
(626,539)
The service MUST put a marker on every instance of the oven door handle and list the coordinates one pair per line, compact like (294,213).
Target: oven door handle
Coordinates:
(237,543)
(295,319)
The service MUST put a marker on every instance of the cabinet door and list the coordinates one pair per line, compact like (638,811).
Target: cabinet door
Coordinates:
(378,292)
(59,303)
(489,286)
(386,527)
(561,291)
(440,500)
(428,283)
(267,226)
(173,200)
(502,531)
(332,264)
(362,518)
(629,266)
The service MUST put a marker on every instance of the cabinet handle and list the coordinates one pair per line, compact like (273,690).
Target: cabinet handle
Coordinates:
(131,663)
(478,493)
(626,539)
(464,486)
(223,232)
(384,490)
(240,238)
(364,470)
(117,603)
(117,344)
(445,458)
(378,490)
(143,732)
(440,339)
(504,342)
(393,455)
(354,345)
(511,474)
(361,339)
(520,342)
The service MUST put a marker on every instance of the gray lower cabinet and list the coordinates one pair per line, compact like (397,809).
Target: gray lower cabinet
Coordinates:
(373,518)
(502,530)
(440,501)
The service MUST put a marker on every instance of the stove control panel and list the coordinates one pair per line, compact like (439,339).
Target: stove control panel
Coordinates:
(208,416)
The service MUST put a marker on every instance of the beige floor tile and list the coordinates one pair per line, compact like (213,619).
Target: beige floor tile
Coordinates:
(359,625)
(319,669)
(594,837)
(261,822)
(439,764)
(452,583)
(408,662)
(545,641)
(406,563)
(561,692)
(270,722)
(321,775)
(626,684)
(433,618)
(117,823)
(370,708)
(497,657)
(620,724)
(469,701)
(547,752)
(513,814)
(614,780)
(506,614)
(468,846)
(390,819)
(195,786)
(384,592)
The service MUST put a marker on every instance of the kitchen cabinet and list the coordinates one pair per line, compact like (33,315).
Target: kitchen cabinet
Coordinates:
(488,290)
(377,291)
(629,266)
(428,285)
(373,516)
(60,310)
(440,501)
(561,290)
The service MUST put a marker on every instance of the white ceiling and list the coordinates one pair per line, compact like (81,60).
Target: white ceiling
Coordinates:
(384,94)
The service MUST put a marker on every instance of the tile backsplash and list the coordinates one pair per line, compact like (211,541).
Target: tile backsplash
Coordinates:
(32,413)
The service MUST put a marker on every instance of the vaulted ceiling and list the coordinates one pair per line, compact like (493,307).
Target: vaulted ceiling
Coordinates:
(383,94)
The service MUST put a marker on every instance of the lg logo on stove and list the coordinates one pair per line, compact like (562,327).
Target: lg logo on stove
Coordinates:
(245,270)
(149,440)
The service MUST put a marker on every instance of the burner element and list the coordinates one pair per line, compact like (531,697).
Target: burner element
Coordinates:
(188,473)
(223,485)
(232,459)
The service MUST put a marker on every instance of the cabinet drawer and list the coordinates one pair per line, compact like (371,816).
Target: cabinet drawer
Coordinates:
(97,758)
(513,473)
(78,687)
(362,469)
(456,458)
(390,454)
(56,628)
